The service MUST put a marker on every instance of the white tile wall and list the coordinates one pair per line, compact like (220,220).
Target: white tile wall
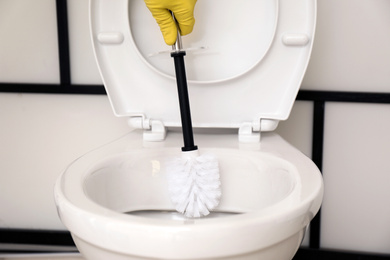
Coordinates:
(39,136)
(351,49)
(298,128)
(356,209)
(83,66)
(28,44)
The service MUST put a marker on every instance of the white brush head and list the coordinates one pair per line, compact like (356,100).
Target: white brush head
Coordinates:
(194,183)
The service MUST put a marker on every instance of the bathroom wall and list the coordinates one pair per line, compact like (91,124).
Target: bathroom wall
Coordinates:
(41,133)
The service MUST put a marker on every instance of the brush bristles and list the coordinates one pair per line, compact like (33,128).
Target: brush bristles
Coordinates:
(194,184)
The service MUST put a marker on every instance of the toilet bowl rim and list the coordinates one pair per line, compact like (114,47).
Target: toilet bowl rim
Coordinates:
(294,220)
(315,187)
(85,205)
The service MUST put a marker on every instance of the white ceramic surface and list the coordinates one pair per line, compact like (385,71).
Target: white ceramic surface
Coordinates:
(34,60)
(250,71)
(274,189)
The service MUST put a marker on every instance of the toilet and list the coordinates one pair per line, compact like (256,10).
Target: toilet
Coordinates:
(245,62)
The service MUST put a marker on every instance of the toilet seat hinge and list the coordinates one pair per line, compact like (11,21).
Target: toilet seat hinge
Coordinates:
(154,130)
(249,132)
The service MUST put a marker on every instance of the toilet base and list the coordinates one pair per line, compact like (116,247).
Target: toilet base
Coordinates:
(284,250)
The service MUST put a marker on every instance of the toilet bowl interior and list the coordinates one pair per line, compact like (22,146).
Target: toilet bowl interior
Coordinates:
(136,182)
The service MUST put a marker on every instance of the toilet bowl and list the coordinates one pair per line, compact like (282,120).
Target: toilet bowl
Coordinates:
(115,200)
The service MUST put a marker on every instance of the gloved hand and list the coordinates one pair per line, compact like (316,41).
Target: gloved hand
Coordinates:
(183,11)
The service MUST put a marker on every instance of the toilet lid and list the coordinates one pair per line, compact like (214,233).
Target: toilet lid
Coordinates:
(245,60)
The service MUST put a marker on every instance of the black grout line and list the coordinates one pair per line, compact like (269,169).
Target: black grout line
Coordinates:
(317,156)
(63,42)
(52,88)
(303,95)
(311,254)
(344,96)
(318,133)
(35,237)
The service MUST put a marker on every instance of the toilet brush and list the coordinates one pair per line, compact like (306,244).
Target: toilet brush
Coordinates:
(194,183)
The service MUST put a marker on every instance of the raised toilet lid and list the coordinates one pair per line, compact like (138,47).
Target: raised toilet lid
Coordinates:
(245,60)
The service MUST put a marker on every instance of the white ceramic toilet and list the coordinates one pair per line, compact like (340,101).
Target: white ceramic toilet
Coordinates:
(245,62)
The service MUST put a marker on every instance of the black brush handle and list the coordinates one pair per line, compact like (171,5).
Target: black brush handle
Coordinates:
(184,102)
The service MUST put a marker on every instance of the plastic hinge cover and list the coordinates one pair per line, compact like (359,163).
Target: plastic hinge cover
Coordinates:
(154,130)
(249,132)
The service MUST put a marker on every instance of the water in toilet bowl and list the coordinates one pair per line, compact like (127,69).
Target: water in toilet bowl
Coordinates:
(174,215)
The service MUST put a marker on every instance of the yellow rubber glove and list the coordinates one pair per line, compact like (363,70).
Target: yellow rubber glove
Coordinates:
(184,14)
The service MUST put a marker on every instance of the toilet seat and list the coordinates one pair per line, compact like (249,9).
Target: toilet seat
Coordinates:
(253,95)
